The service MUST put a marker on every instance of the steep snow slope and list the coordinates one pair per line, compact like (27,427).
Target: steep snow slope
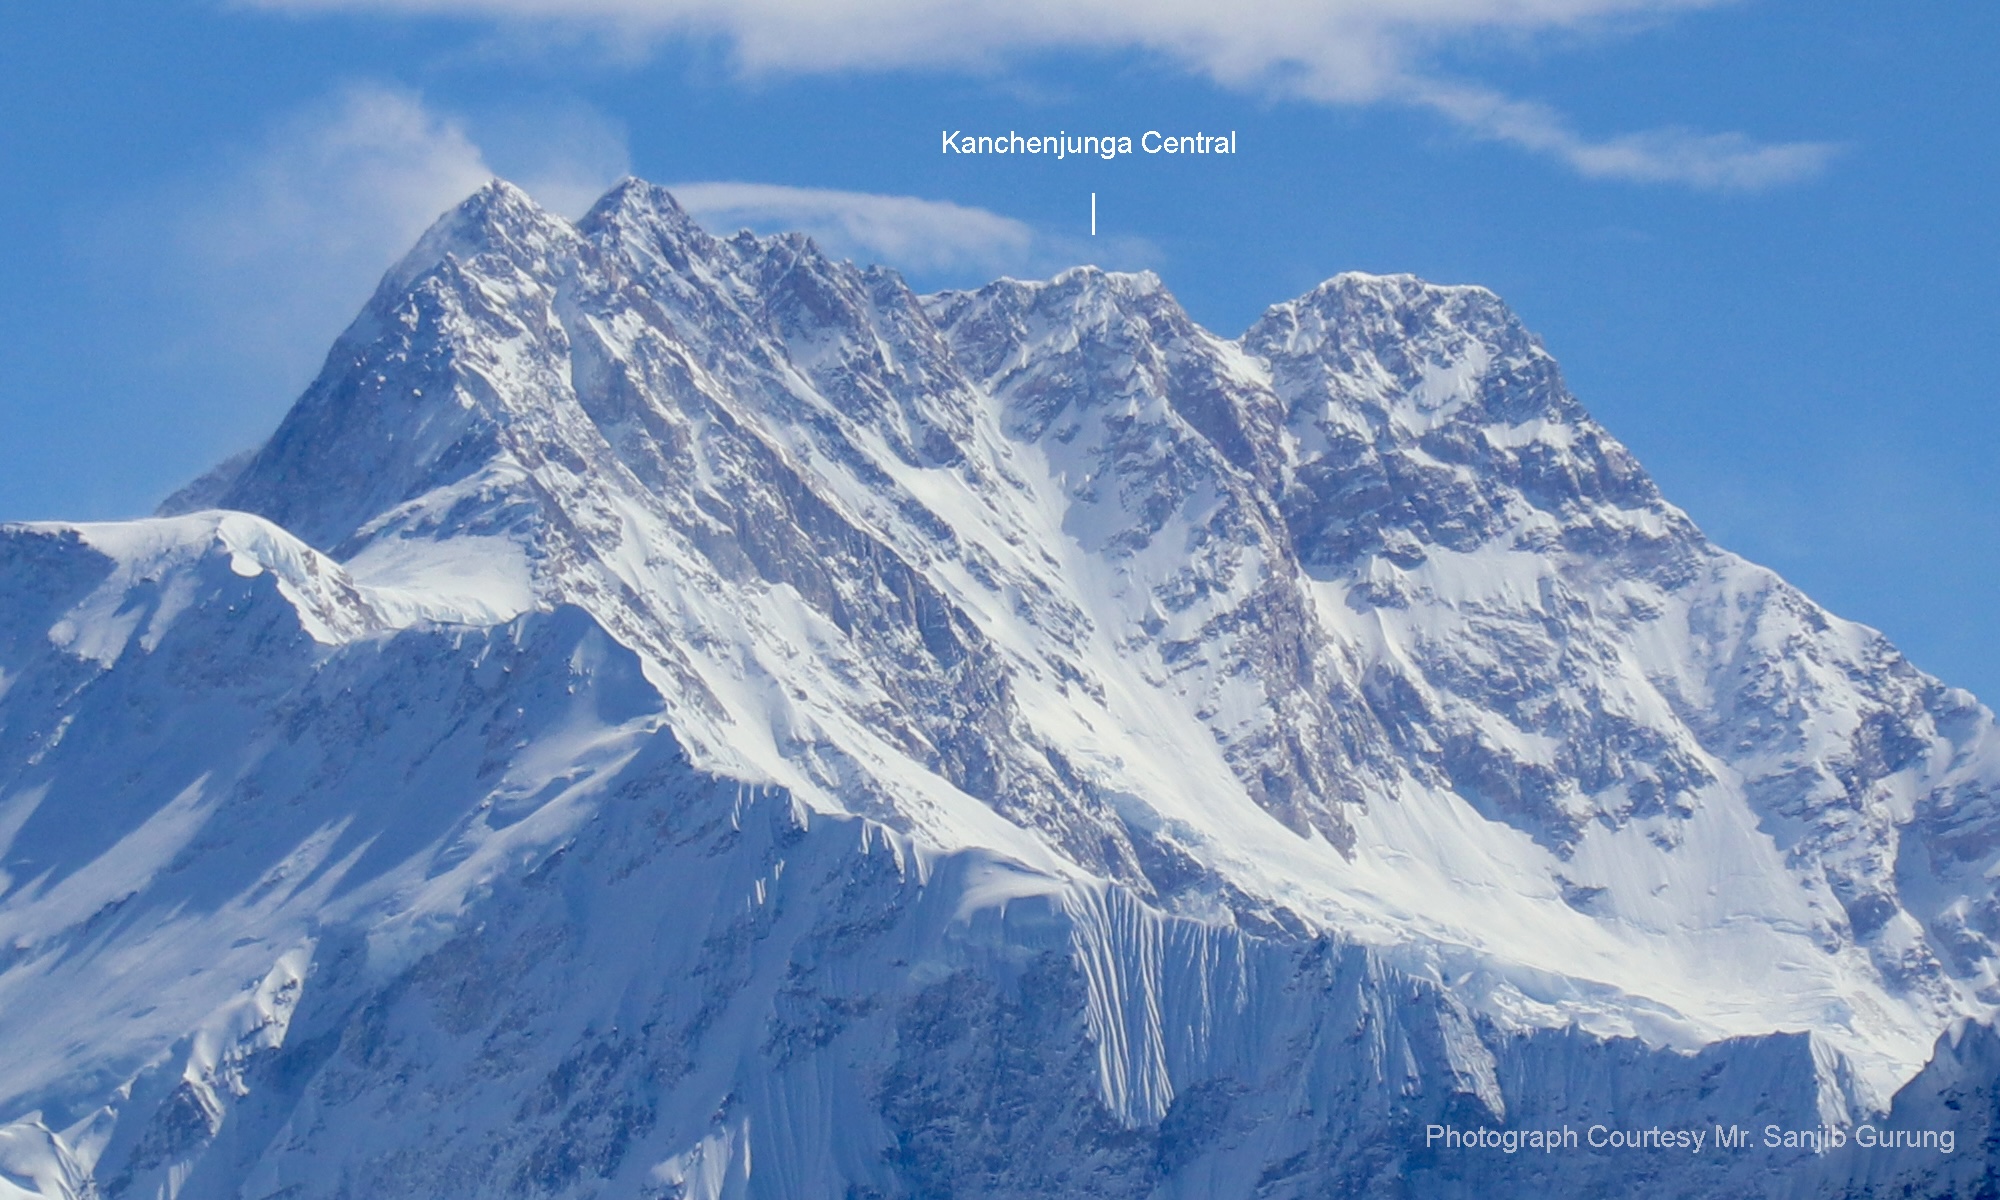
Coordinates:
(691,718)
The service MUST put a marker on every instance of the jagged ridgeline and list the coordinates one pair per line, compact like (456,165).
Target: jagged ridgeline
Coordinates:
(677,716)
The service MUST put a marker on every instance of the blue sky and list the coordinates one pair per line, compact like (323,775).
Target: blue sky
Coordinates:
(1760,235)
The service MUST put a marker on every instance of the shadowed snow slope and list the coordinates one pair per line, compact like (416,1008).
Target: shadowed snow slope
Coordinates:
(682,717)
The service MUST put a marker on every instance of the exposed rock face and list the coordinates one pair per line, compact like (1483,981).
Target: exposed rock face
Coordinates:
(677,716)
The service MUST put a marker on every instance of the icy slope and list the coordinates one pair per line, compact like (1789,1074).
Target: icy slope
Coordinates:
(693,718)
(225,743)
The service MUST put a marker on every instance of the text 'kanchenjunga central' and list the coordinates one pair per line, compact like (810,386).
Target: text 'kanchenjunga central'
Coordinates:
(1063,144)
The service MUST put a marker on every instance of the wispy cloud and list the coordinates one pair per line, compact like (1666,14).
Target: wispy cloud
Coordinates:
(285,241)
(919,235)
(929,239)
(1723,162)
(1331,48)
(252,263)
(1332,51)
(322,205)
(263,256)
(344,185)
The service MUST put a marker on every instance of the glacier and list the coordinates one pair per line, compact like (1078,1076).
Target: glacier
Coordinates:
(679,716)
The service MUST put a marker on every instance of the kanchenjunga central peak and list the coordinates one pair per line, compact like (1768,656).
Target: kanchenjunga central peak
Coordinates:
(669,715)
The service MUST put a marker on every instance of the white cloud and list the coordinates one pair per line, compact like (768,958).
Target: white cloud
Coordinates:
(259,259)
(254,263)
(1714,161)
(933,240)
(303,224)
(331,197)
(288,240)
(1335,51)
(1330,48)
(913,234)
(337,192)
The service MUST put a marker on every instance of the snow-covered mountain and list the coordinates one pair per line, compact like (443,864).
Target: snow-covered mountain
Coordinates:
(672,716)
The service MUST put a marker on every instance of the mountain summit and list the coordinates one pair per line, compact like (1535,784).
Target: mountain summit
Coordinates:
(679,716)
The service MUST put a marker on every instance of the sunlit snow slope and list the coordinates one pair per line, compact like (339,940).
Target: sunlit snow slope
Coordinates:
(681,717)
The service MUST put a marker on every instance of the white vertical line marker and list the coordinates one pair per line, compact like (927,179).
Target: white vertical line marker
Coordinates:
(1093,214)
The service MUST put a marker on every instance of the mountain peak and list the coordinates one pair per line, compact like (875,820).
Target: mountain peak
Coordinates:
(1359,300)
(499,217)
(632,195)
(642,221)
(1395,283)
(741,697)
